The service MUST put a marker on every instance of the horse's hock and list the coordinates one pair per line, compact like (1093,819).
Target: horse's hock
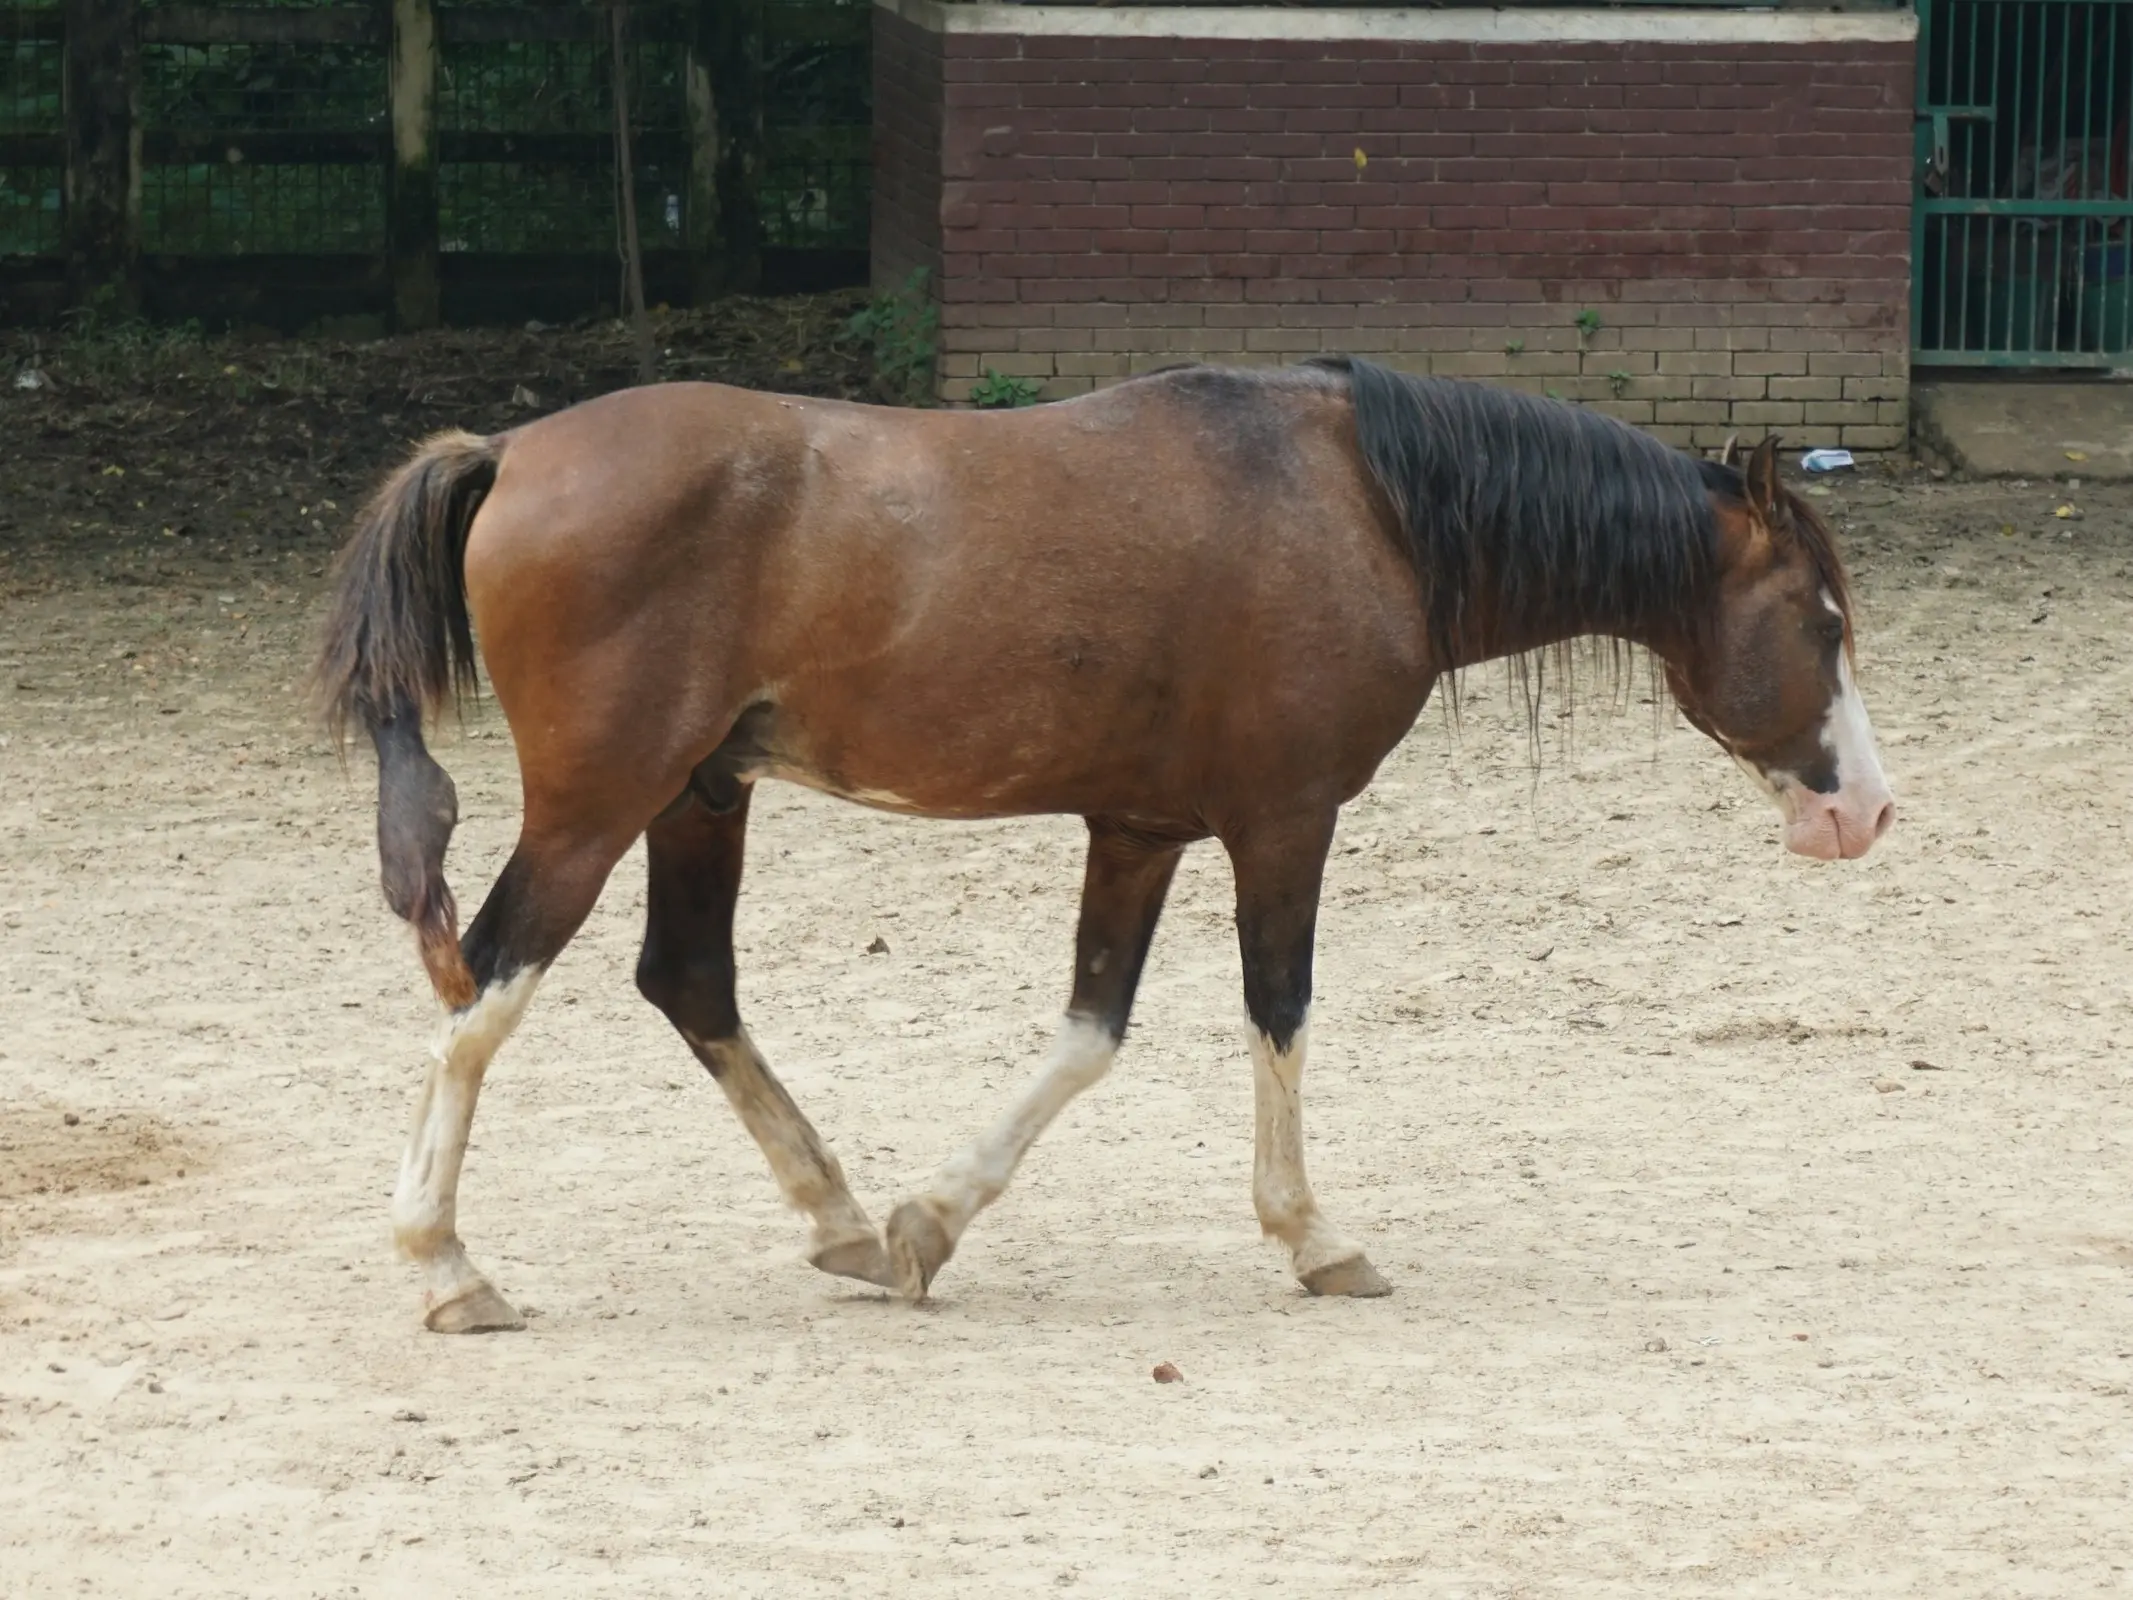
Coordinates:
(1697,220)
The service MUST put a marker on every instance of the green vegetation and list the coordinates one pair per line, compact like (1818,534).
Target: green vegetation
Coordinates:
(898,327)
(997,392)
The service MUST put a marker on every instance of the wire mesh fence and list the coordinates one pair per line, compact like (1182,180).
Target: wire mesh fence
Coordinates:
(818,111)
(31,59)
(543,92)
(218,176)
(265,129)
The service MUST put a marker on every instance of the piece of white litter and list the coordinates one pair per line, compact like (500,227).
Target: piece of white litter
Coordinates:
(31,378)
(1825,460)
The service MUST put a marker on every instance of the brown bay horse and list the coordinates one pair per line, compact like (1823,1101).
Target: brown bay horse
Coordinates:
(1203,603)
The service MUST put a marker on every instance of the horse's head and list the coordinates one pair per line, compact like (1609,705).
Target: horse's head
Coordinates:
(1769,676)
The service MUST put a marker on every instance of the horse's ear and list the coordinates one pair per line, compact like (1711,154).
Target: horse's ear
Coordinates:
(1729,456)
(1761,478)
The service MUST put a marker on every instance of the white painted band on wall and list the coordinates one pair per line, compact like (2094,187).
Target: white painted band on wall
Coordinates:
(1567,26)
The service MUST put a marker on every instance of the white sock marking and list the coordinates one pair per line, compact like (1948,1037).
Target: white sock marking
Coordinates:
(807,1174)
(1080,1056)
(1281,1191)
(426,1198)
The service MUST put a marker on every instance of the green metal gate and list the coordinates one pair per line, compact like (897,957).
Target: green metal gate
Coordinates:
(2023,225)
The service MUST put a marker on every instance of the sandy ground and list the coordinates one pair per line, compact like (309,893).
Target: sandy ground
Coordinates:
(1758,1228)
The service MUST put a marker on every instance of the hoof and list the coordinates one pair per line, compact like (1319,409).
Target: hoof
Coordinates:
(1355,1277)
(918,1248)
(479,1309)
(862,1258)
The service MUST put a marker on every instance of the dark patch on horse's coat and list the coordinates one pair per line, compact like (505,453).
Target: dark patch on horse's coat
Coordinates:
(1253,439)
(721,776)
(686,966)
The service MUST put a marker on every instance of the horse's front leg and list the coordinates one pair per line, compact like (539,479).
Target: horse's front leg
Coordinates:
(1121,899)
(1279,868)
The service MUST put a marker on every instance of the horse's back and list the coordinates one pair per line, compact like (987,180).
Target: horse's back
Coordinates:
(956,611)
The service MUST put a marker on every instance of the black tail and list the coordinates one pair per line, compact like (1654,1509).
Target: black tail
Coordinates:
(397,646)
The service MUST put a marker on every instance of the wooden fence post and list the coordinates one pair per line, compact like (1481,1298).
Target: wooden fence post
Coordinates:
(723,83)
(101,95)
(411,190)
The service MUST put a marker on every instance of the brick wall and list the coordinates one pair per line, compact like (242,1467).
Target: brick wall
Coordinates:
(1732,209)
(908,112)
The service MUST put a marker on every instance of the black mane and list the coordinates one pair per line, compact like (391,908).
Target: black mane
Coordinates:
(1566,520)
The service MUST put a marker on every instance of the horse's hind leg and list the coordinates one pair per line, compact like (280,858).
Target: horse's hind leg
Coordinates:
(686,970)
(1121,898)
(544,893)
(1279,869)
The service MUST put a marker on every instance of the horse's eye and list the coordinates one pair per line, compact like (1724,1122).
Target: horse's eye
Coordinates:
(1832,630)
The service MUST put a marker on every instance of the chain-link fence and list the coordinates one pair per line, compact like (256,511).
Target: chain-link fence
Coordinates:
(31,150)
(266,130)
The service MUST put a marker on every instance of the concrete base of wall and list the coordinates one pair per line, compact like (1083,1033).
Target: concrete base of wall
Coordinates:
(2027,430)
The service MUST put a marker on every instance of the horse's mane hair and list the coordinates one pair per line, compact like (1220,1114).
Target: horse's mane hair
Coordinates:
(1541,515)
(1565,519)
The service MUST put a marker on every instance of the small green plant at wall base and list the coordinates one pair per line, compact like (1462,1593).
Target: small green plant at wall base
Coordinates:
(997,392)
(1588,323)
(1517,347)
(898,327)
(1618,380)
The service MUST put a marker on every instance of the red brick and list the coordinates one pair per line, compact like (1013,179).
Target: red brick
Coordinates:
(1169,216)
(1280,240)
(1126,241)
(1132,193)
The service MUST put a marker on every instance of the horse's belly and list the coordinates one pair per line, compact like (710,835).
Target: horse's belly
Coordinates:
(970,767)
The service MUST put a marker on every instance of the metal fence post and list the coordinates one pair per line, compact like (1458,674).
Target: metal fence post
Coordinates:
(101,95)
(411,187)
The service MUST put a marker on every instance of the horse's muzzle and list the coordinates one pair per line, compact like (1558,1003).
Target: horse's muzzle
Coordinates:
(1841,826)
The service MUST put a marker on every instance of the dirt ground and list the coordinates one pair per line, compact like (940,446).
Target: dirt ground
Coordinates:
(1757,1228)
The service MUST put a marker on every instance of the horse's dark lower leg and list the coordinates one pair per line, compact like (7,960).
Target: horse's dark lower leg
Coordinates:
(544,893)
(1121,898)
(1278,874)
(686,970)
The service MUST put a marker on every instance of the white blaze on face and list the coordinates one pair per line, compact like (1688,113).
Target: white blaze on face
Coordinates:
(1843,825)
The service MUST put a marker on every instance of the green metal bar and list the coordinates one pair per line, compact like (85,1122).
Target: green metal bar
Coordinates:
(2088,187)
(2125,235)
(2028,208)
(2001,358)
(1967,233)
(1962,322)
(1992,180)
(1920,140)
(2088,104)
(2059,231)
(2043,329)
(2014,235)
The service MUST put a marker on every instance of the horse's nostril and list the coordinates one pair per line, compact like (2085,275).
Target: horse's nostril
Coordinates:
(1885,818)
